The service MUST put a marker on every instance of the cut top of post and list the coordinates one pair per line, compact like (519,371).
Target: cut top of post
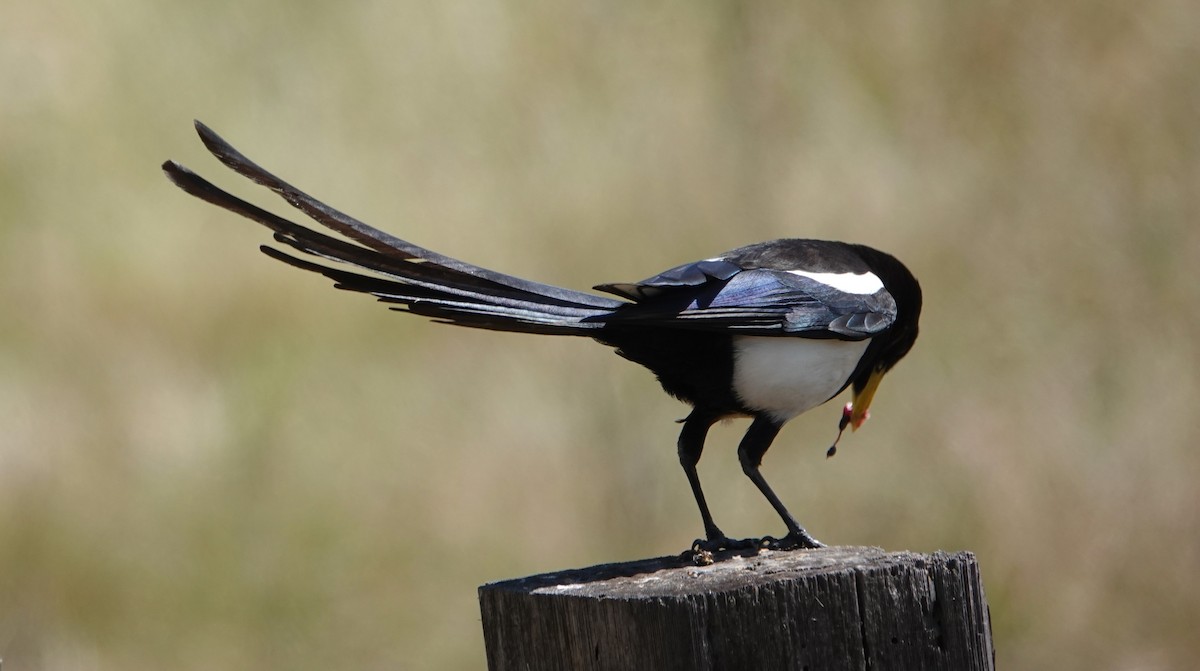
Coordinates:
(833,608)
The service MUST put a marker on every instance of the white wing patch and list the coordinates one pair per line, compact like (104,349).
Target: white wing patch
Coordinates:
(851,283)
(786,376)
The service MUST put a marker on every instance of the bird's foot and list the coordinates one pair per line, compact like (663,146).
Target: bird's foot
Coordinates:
(795,540)
(703,549)
(724,543)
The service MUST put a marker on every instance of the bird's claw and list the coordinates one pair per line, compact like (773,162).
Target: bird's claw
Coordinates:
(723,544)
(702,550)
(801,540)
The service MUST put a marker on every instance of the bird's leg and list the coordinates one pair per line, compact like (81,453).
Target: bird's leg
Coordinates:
(691,445)
(750,453)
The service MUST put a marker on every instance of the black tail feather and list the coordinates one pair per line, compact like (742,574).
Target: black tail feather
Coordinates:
(418,279)
(449,305)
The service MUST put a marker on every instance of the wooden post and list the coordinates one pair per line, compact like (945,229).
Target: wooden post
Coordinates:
(834,608)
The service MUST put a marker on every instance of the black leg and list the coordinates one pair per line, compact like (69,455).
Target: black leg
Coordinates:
(750,453)
(691,445)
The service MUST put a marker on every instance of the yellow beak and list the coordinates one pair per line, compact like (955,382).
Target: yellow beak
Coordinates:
(862,400)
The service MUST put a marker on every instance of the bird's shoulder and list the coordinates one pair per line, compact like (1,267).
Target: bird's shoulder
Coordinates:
(823,261)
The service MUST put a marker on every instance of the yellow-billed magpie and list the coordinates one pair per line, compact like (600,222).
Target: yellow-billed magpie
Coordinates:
(765,331)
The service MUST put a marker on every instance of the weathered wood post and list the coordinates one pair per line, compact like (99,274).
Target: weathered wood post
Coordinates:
(834,608)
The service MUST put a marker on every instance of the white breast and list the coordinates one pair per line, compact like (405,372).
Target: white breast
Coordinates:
(785,376)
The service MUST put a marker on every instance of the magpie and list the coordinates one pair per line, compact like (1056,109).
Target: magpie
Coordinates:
(766,331)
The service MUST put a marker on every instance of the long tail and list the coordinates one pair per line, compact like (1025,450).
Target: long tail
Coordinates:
(418,280)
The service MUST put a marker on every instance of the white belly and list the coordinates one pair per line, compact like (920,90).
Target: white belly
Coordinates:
(784,376)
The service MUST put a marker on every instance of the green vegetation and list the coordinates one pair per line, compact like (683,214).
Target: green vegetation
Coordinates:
(211,461)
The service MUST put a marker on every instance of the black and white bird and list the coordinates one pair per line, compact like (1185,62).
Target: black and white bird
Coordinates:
(765,331)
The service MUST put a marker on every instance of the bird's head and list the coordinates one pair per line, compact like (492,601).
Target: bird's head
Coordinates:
(889,348)
(866,383)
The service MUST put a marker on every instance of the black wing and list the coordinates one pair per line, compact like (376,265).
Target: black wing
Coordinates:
(719,294)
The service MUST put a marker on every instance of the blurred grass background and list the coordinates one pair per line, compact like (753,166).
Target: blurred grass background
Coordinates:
(209,460)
